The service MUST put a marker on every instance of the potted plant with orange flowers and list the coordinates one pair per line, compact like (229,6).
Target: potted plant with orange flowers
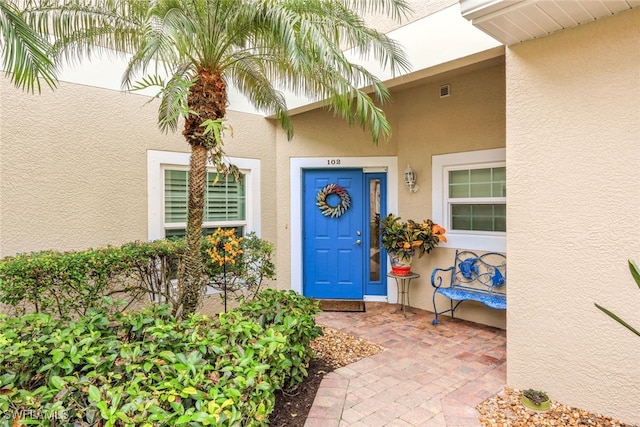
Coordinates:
(403,239)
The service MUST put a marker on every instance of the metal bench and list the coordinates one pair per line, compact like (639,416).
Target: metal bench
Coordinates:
(472,277)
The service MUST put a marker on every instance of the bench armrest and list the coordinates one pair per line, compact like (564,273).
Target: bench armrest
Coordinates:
(436,276)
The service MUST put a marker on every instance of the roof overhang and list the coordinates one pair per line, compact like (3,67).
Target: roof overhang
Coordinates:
(515,21)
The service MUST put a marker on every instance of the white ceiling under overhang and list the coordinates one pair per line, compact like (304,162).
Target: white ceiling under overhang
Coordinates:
(515,21)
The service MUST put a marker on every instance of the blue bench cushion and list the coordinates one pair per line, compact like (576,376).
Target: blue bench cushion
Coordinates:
(495,301)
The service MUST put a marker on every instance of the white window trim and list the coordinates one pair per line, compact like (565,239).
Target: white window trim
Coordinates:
(441,164)
(158,161)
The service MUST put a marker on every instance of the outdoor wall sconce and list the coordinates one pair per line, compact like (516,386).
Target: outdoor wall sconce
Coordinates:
(410,179)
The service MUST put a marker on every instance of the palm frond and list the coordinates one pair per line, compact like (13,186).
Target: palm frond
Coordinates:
(25,51)
(148,82)
(81,29)
(249,78)
(618,319)
(635,272)
(395,9)
(173,104)
(309,58)
(316,48)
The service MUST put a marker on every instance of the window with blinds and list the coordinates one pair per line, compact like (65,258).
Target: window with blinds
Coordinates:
(225,202)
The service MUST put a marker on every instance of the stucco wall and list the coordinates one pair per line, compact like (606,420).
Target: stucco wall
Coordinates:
(74,166)
(424,124)
(471,119)
(419,9)
(573,157)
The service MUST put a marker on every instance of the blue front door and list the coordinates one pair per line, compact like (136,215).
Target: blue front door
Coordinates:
(333,239)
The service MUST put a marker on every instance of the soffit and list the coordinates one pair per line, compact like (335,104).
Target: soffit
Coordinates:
(515,21)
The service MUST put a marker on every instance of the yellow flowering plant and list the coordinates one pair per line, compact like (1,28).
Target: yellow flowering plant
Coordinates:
(237,266)
(225,247)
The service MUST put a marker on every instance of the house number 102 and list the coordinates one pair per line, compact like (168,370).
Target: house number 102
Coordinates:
(333,162)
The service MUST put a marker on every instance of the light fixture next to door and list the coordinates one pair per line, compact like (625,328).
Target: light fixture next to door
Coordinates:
(410,179)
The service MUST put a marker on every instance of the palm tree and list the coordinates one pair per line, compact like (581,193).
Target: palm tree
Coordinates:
(192,49)
(25,52)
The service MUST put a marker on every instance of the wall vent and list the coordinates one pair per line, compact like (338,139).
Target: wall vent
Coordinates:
(445,90)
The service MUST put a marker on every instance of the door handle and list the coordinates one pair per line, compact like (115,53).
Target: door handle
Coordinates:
(358,242)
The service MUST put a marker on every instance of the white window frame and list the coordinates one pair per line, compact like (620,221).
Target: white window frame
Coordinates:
(441,165)
(159,161)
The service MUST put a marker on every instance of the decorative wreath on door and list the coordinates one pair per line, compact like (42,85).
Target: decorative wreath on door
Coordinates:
(340,208)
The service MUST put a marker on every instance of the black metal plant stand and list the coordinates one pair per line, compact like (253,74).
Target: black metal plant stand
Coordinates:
(224,273)
(403,283)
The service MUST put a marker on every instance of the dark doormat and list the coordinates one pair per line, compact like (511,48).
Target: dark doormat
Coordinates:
(342,305)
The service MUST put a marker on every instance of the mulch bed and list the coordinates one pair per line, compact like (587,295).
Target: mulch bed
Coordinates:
(291,409)
(333,350)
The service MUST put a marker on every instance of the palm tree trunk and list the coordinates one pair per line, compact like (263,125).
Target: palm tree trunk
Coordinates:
(193,278)
(207,98)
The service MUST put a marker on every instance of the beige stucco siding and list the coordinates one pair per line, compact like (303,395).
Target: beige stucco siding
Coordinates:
(573,156)
(424,124)
(419,9)
(471,119)
(74,166)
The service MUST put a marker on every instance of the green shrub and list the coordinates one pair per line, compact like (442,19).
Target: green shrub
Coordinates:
(69,284)
(149,369)
(294,316)
(63,284)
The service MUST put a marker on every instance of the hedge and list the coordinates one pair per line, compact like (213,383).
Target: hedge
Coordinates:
(70,284)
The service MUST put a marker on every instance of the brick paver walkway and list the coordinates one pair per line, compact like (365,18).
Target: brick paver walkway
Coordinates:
(426,376)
